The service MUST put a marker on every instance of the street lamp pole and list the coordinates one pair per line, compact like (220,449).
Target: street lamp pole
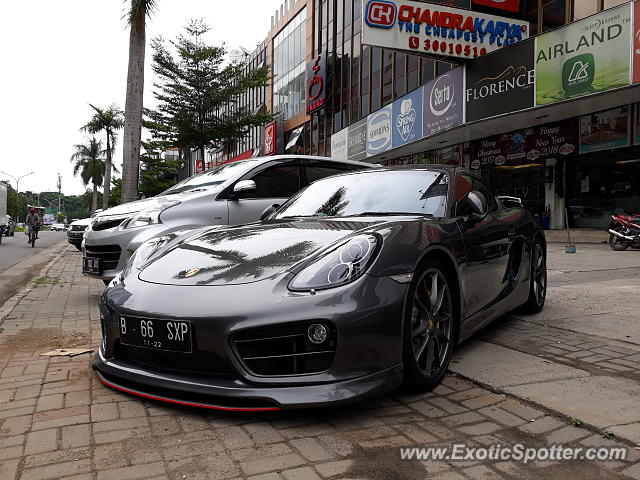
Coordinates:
(17,180)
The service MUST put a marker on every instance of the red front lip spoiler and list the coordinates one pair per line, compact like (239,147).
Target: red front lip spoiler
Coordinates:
(179,402)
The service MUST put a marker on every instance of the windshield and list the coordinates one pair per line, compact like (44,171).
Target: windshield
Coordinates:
(375,193)
(212,177)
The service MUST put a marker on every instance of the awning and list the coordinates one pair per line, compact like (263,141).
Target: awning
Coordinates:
(295,137)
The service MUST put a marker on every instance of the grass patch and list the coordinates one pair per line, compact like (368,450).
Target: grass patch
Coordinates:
(46,281)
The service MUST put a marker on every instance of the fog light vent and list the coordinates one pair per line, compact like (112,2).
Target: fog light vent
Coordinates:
(317,333)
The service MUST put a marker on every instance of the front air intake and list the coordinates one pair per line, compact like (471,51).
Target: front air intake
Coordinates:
(289,349)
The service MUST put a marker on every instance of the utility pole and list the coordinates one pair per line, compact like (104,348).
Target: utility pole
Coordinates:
(59,194)
(17,180)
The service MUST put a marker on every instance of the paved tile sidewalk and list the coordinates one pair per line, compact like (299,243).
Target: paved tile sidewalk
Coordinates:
(57,421)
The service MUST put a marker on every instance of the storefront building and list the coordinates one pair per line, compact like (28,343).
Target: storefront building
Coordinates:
(539,96)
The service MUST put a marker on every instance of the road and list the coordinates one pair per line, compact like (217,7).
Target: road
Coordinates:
(19,262)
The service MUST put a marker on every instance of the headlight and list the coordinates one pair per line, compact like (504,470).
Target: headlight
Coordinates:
(143,253)
(150,216)
(342,265)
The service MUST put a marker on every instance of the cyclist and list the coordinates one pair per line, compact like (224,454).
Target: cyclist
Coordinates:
(33,221)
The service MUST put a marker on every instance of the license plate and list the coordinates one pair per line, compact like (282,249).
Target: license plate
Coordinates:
(171,335)
(75,234)
(91,265)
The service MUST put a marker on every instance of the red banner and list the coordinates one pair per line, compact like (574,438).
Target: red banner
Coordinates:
(636,42)
(270,139)
(199,166)
(508,5)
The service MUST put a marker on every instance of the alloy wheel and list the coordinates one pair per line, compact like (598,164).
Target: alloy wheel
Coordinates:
(432,323)
(539,274)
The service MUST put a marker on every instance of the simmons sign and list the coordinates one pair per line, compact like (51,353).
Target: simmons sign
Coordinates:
(435,29)
(443,102)
(379,132)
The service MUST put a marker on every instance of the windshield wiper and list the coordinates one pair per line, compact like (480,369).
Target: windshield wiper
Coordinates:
(385,214)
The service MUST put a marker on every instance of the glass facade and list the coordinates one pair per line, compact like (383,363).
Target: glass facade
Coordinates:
(289,55)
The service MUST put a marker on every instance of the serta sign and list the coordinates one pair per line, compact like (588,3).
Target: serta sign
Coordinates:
(636,42)
(436,29)
(379,131)
(501,83)
(443,102)
(584,57)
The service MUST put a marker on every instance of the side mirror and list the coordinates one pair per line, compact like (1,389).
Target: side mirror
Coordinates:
(268,211)
(510,202)
(244,186)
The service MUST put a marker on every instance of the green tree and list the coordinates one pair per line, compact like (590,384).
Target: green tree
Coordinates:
(198,92)
(137,17)
(88,161)
(157,174)
(107,120)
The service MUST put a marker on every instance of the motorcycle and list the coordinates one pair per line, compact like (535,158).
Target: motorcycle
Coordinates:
(624,232)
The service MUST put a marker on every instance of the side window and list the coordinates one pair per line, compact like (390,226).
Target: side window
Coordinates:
(316,172)
(280,181)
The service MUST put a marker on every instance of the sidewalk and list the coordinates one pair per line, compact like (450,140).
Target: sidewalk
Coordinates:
(57,421)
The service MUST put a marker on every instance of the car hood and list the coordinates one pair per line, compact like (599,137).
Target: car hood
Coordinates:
(139,205)
(245,254)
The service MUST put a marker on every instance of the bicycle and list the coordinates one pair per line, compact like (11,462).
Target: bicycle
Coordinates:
(33,234)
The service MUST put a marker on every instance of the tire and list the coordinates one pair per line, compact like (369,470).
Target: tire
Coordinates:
(616,244)
(537,279)
(78,247)
(430,326)
(32,237)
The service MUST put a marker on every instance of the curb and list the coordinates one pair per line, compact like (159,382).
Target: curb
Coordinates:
(10,304)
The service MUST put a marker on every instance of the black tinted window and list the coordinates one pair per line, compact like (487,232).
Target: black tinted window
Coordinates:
(317,172)
(276,182)
(385,192)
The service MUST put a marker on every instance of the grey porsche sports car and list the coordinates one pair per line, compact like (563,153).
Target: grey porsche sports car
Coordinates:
(358,283)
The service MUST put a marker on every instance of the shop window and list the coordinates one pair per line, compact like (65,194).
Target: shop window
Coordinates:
(427,71)
(554,14)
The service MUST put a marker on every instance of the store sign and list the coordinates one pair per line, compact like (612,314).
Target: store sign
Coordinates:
(501,83)
(528,146)
(443,102)
(379,131)
(508,5)
(636,41)
(199,166)
(316,84)
(605,130)
(339,142)
(270,138)
(437,30)
(636,139)
(357,141)
(407,118)
(584,57)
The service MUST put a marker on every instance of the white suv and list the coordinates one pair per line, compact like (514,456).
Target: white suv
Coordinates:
(230,194)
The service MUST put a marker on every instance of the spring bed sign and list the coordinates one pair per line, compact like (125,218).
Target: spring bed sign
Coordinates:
(437,30)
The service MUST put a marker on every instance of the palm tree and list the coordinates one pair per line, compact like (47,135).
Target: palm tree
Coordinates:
(108,120)
(137,16)
(88,161)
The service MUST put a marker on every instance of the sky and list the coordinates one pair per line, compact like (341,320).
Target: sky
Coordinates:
(57,57)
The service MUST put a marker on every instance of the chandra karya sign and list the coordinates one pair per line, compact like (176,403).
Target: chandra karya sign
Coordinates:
(437,30)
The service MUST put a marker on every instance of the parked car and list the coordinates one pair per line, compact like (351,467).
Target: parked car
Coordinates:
(75,232)
(230,194)
(3,210)
(58,227)
(10,228)
(356,284)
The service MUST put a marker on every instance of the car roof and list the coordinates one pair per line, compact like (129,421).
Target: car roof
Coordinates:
(314,158)
(399,168)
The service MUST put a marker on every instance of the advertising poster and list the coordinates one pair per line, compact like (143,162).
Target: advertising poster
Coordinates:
(379,131)
(443,102)
(636,41)
(527,146)
(357,141)
(437,29)
(584,57)
(270,138)
(604,130)
(339,142)
(407,118)
(501,83)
